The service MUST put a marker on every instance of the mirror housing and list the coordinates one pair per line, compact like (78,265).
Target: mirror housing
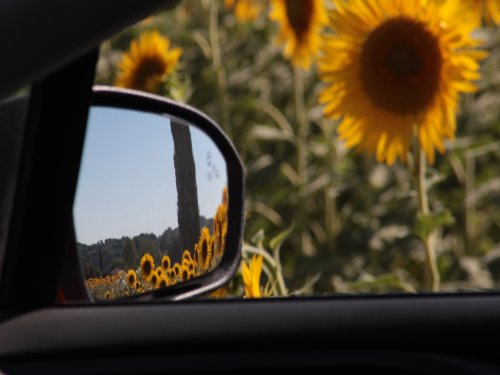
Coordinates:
(220,273)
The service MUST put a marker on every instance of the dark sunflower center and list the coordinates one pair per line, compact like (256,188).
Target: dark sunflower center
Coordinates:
(204,250)
(299,14)
(403,61)
(131,279)
(147,268)
(401,66)
(147,69)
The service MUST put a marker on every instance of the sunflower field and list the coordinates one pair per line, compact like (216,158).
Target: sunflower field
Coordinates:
(147,277)
(368,130)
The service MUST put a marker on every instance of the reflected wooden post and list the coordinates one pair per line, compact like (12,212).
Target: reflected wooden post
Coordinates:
(188,214)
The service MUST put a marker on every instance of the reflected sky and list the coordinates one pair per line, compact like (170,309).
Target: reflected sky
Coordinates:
(127,178)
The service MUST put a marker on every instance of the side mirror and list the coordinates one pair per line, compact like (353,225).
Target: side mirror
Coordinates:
(159,202)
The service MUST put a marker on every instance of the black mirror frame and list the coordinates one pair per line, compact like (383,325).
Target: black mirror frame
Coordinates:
(225,270)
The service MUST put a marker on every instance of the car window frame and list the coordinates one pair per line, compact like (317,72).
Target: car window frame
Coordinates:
(43,201)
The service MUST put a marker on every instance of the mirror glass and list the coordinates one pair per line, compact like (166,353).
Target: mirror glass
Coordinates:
(151,203)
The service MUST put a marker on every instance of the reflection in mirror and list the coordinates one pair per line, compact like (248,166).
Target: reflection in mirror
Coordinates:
(151,203)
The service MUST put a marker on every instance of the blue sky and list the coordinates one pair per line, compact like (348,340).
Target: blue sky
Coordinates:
(127,178)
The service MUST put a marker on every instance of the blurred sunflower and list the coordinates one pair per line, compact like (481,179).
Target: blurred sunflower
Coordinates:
(220,225)
(131,278)
(165,263)
(251,277)
(245,10)
(203,250)
(185,275)
(107,295)
(172,275)
(300,24)
(147,63)
(177,269)
(137,286)
(394,68)
(154,280)
(147,266)
(163,283)
(159,271)
(188,264)
(186,257)
(487,10)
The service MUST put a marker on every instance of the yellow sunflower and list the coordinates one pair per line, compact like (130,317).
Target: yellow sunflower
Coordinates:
(220,225)
(177,269)
(172,275)
(251,277)
(147,266)
(300,24)
(394,68)
(185,275)
(481,10)
(147,63)
(245,10)
(131,277)
(220,230)
(164,282)
(165,263)
(203,250)
(186,257)
(159,271)
(154,280)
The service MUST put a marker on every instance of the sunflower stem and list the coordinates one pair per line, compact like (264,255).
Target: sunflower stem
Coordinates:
(214,37)
(302,132)
(332,224)
(432,278)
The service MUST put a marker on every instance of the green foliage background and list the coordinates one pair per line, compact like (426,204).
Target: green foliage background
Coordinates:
(352,225)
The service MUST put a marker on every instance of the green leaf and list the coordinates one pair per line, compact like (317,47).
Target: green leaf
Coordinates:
(428,223)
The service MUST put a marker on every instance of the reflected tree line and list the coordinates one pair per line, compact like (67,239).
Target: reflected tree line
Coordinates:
(106,257)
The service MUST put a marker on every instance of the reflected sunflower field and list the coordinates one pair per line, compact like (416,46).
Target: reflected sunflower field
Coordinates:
(368,129)
(149,276)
